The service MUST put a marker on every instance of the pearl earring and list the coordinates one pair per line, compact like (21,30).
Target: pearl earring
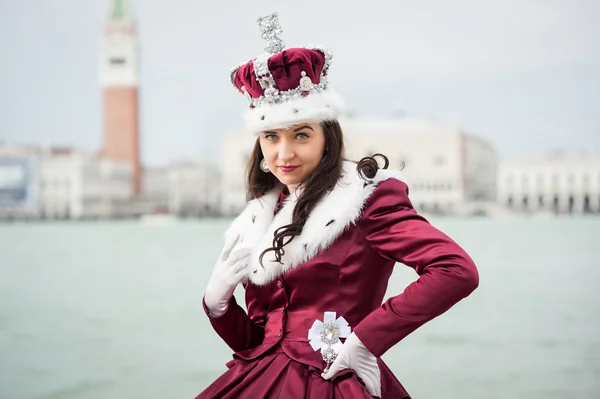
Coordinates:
(263,166)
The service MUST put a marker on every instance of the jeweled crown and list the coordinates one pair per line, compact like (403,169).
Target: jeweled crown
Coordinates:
(281,74)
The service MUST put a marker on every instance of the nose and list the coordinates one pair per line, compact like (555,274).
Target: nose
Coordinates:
(286,151)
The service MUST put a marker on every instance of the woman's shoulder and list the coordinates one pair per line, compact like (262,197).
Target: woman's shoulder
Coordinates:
(391,187)
(388,188)
(357,192)
(388,204)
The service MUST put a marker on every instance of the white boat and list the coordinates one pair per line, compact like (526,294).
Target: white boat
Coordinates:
(158,219)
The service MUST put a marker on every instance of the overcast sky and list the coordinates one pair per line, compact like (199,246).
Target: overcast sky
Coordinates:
(524,74)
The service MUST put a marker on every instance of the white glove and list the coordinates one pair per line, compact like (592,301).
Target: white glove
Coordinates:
(355,355)
(230,270)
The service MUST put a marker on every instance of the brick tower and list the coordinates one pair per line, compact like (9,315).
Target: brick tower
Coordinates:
(119,81)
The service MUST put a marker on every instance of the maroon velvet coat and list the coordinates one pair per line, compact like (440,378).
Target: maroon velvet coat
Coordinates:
(272,356)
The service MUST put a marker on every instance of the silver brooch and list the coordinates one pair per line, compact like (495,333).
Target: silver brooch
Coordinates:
(326,334)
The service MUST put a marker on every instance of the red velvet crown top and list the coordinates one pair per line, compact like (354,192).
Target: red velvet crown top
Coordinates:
(285,67)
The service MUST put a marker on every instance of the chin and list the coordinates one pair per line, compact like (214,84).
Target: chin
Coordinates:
(288,180)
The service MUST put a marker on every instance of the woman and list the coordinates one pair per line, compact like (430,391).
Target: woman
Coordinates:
(315,246)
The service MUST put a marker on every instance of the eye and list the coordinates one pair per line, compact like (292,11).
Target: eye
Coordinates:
(270,136)
(302,136)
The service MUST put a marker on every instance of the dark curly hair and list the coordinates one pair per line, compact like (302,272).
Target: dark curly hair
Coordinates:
(316,186)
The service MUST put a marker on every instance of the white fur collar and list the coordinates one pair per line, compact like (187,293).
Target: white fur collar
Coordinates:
(338,210)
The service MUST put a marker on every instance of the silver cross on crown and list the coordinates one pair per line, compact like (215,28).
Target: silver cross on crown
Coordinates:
(270,29)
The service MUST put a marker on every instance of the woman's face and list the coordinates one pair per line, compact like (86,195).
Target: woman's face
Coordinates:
(294,153)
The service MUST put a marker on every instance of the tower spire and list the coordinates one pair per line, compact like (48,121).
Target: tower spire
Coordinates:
(120,10)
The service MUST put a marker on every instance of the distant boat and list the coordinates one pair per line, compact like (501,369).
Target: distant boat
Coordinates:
(160,217)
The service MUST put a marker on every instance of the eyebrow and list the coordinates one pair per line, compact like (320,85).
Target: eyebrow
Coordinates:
(303,127)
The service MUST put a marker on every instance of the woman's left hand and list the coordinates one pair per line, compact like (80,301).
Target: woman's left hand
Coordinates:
(355,355)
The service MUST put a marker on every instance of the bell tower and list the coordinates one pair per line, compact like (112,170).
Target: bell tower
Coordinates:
(119,82)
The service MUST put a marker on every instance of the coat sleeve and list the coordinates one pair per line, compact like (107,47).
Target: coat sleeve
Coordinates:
(240,330)
(446,272)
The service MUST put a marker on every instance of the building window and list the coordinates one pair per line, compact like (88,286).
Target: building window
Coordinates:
(541,201)
(586,204)
(571,204)
(117,61)
(510,202)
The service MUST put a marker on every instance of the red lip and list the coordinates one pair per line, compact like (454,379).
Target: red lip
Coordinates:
(288,169)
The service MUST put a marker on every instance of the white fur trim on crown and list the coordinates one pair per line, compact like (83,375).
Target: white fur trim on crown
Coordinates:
(315,107)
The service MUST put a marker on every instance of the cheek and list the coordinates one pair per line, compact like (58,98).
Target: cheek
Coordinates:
(270,157)
(313,154)
(311,160)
